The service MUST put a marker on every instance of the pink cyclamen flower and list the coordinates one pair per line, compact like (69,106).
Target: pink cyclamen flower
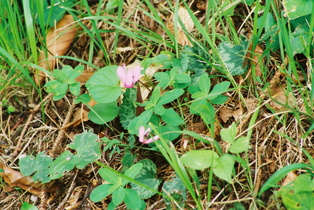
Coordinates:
(144,134)
(129,76)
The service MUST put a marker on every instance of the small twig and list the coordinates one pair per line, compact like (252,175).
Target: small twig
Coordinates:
(30,118)
(68,194)
(61,131)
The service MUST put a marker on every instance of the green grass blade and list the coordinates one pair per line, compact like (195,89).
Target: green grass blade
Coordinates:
(276,177)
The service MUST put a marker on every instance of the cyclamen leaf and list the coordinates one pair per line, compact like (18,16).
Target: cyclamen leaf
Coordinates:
(38,166)
(295,9)
(127,109)
(233,57)
(147,176)
(87,149)
(62,164)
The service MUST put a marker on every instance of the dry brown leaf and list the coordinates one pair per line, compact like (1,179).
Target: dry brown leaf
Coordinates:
(188,23)
(280,99)
(15,179)
(81,115)
(58,40)
(291,176)
(73,201)
(225,114)
(86,74)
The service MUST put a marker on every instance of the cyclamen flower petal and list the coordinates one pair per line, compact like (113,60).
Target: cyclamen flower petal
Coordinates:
(129,76)
(144,134)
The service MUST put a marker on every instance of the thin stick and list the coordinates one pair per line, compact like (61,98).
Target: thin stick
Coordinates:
(30,118)
(61,131)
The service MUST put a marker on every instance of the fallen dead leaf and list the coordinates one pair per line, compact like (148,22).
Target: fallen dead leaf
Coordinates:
(291,176)
(188,23)
(279,98)
(73,201)
(58,40)
(86,74)
(81,115)
(14,178)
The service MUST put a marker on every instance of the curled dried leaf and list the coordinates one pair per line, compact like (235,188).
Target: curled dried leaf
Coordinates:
(58,40)
(15,179)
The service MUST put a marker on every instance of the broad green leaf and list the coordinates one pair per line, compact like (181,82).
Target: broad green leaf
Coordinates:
(109,176)
(297,201)
(182,80)
(199,159)
(147,176)
(144,193)
(155,95)
(229,134)
(198,95)
(52,12)
(148,169)
(220,88)
(281,173)
(223,167)
(139,121)
(163,78)
(233,57)
(169,132)
(298,8)
(171,117)
(127,109)
(118,196)
(207,111)
(57,88)
(100,192)
(104,85)
(134,170)
(169,96)
(61,75)
(103,112)
(75,88)
(204,83)
(84,98)
(62,164)
(38,166)
(240,145)
(128,159)
(132,200)
(159,109)
(221,99)
(27,206)
(175,187)
(87,149)
(304,183)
